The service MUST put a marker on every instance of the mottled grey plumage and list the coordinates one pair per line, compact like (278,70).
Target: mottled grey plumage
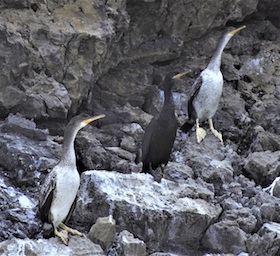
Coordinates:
(206,92)
(59,190)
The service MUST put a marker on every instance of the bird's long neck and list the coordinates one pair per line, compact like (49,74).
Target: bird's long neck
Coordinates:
(68,156)
(215,62)
(168,99)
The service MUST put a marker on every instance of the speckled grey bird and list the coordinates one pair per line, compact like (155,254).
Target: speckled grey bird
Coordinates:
(59,190)
(206,92)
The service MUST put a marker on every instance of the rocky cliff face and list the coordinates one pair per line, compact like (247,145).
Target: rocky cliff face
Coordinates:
(59,58)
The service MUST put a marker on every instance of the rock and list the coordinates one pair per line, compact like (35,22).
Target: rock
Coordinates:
(274,188)
(131,246)
(169,33)
(154,212)
(128,143)
(31,150)
(225,238)
(266,241)
(18,212)
(52,246)
(19,125)
(122,153)
(55,70)
(265,141)
(132,129)
(103,231)
(243,217)
(263,166)
(176,171)
(59,58)
(163,254)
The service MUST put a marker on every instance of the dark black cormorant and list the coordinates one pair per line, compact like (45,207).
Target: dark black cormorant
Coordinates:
(160,134)
(61,185)
(206,92)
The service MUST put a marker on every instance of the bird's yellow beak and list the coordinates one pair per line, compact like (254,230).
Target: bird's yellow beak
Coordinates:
(89,120)
(236,30)
(180,75)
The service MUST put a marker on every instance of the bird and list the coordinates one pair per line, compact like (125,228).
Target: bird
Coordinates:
(60,187)
(160,133)
(206,92)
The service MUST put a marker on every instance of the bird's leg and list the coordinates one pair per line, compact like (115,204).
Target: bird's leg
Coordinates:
(200,132)
(157,174)
(214,131)
(70,230)
(63,234)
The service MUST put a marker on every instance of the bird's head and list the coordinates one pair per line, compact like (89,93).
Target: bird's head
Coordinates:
(87,120)
(179,75)
(82,120)
(171,77)
(232,31)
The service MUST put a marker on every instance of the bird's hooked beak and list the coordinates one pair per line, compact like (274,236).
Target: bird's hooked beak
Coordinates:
(91,119)
(233,32)
(180,75)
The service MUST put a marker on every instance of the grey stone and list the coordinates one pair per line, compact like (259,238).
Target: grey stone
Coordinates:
(266,141)
(225,237)
(138,203)
(243,217)
(121,153)
(59,58)
(263,165)
(19,125)
(128,143)
(52,246)
(103,231)
(131,246)
(176,171)
(266,241)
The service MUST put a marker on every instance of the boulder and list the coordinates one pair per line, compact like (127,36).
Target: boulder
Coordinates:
(225,237)
(77,246)
(167,215)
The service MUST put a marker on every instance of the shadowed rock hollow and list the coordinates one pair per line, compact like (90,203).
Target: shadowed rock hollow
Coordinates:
(59,58)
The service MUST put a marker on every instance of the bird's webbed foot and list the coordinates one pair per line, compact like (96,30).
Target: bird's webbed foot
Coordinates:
(63,235)
(218,135)
(157,174)
(200,134)
(214,131)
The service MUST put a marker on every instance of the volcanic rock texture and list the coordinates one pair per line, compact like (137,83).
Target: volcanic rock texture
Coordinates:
(59,58)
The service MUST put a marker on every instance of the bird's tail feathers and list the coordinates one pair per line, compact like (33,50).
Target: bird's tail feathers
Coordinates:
(146,167)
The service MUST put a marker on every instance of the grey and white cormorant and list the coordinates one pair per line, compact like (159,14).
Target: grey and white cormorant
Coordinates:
(160,134)
(206,92)
(59,190)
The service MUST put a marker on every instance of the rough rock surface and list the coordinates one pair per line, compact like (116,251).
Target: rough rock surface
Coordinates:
(43,247)
(103,231)
(164,215)
(59,58)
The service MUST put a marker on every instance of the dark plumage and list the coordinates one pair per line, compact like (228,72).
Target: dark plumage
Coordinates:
(206,92)
(59,190)
(160,134)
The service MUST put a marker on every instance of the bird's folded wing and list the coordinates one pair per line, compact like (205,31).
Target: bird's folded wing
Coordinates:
(46,195)
(147,140)
(195,87)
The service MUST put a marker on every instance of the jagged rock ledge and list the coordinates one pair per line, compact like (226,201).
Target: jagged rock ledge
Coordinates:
(164,215)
